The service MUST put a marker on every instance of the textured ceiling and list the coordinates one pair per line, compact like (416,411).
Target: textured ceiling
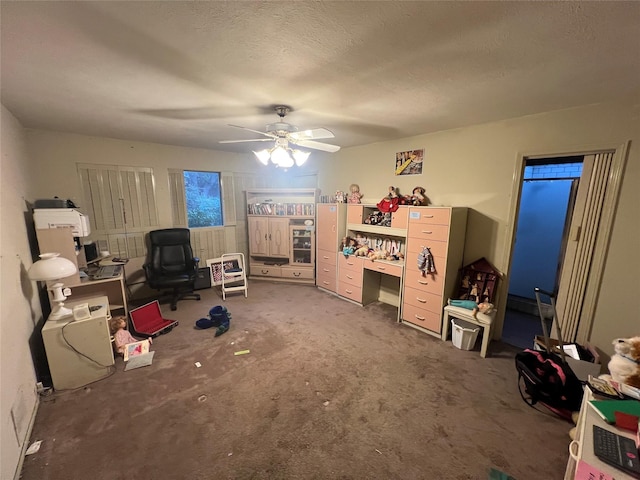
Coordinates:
(179,72)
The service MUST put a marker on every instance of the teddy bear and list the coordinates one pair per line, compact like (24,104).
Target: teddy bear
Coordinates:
(362,251)
(624,365)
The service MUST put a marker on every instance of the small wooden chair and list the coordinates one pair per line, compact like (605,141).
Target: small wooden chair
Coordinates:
(234,277)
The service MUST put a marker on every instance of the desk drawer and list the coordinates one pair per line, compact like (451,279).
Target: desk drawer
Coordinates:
(432,216)
(421,317)
(327,281)
(386,268)
(350,277)
(431,302)
(432,283)
(327,256)
(298,273)
(259,270)
(349,291)
(351,263)
(428,232)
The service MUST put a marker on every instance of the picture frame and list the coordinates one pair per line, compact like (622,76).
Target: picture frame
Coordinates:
(409,162)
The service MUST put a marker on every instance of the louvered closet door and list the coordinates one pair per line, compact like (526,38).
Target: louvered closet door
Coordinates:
(588,236)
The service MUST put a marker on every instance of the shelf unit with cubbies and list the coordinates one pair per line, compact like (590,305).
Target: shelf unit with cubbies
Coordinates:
(281,229)
(378,280)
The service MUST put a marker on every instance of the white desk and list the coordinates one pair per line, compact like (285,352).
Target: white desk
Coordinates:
(584,441)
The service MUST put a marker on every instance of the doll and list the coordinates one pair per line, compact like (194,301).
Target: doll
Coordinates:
(418,198)
(484,307)
(390,202)
(122,336)
(355,195)
(349,247)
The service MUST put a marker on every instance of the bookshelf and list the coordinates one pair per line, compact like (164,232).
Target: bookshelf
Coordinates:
(281,231)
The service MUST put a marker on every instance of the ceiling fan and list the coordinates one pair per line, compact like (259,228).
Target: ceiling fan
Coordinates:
(283,135)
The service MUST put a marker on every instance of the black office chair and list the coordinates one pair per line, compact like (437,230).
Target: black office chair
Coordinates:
(171,264)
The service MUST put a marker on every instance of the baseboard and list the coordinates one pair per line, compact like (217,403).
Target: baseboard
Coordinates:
(25,443)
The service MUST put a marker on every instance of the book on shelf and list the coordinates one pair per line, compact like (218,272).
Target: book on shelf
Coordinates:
(281,209)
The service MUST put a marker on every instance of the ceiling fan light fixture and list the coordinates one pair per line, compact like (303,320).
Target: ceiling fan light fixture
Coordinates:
(281,157)
(263,156)
(300,157)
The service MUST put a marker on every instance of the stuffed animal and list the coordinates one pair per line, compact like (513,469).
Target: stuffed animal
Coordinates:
(378,255)
(362,251)
(624,365)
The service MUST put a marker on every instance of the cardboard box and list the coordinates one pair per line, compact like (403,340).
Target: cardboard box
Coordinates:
(581,368)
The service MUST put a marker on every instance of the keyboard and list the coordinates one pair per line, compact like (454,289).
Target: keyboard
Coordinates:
(616,450)
(108,271)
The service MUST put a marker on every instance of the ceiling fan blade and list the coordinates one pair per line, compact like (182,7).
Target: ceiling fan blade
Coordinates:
(270,135)
(325,147)
(249,140)
(312,134)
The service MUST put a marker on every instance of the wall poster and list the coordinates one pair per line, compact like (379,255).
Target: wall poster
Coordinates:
(409,162)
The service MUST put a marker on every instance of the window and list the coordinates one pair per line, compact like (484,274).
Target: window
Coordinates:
(203,199)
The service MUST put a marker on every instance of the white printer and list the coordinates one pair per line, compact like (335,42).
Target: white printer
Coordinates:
(62,217)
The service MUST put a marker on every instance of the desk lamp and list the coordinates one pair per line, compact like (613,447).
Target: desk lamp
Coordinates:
(52,266)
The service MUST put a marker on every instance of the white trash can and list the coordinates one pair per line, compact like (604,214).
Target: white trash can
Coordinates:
(463,334)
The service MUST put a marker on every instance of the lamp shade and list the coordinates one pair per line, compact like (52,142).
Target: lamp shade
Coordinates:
(51,266)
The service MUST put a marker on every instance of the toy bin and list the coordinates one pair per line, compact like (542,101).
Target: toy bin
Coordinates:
(464,334)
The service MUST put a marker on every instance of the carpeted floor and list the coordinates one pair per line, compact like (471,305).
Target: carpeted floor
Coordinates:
(329,390)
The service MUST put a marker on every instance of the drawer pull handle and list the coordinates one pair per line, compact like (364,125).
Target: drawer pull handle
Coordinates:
(428,232)
(296,274)
(349,291)
(381,268)
(325,282)
(423,283)
(325,270)
(349,277)
(349,263)
(325,257)
(428,216)
(264,272)
(421,300)
(419,317)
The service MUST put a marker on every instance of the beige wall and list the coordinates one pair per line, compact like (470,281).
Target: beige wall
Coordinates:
(19,301)
(56,156)
(475,167)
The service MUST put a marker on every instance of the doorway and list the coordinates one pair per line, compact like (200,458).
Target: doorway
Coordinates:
(547,198)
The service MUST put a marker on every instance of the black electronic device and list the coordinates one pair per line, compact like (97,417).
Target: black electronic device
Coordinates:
(616,450)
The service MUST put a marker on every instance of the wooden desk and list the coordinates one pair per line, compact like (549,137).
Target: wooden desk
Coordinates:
(112,288)
(582,446)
